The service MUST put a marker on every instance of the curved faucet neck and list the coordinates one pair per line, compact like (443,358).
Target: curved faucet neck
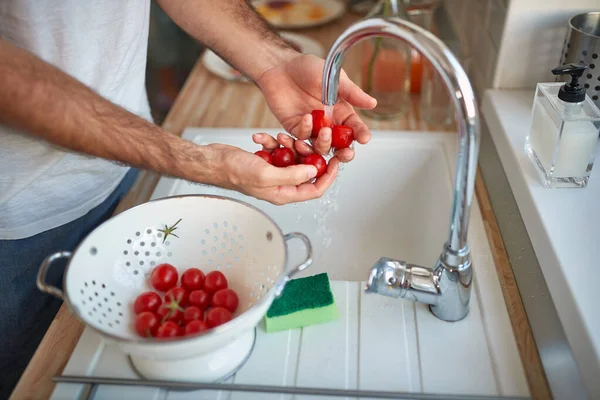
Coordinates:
(459,89)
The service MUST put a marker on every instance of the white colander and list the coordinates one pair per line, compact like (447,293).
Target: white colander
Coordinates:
(110,267)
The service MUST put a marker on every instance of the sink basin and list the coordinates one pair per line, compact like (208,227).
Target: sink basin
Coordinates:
(393,200)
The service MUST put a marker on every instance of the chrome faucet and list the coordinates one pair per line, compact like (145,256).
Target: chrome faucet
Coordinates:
(447,286)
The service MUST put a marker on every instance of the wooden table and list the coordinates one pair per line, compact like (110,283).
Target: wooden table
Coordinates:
(209,101)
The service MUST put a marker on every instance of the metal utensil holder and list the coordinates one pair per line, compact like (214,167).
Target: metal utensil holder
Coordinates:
(582,46)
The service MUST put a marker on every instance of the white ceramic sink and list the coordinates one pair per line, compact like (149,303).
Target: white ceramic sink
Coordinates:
(393,200)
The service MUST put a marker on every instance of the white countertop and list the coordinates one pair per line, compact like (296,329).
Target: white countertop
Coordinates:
(563,225)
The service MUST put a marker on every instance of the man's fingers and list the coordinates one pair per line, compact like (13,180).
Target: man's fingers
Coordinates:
(267,141)
(322,143)
(307,191)
(345,155)
(303,127)
(353,94)
(293,175)
(303,148)
(362,134)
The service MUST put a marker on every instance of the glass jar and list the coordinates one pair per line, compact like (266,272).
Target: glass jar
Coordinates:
(386,66)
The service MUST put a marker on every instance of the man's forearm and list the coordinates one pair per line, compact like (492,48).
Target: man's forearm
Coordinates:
(42,100)
(233,30)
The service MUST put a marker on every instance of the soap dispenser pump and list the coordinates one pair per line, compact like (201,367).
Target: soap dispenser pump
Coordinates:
(565,130)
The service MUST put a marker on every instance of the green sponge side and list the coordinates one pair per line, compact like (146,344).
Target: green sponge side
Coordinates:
(300,319)
(304,301)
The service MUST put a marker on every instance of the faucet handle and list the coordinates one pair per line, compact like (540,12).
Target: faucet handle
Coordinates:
(399,279)
(387,277)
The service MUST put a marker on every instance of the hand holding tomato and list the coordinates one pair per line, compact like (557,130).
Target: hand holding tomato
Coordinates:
(293,90)
(250,174)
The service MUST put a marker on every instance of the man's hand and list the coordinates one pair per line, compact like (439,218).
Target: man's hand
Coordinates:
(251,175)
(293,89)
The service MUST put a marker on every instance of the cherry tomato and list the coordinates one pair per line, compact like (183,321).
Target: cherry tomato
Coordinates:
(164,277)
(227,299)
(217,316)
(194,327)
(318,161)
(147,301)
(192,313)
(178,294)
(318,120)
(214,281)
(146,324)
(341,136)
(192,279)
(168,329)
(170,310)
(283,157)
(199,298)
(265,155)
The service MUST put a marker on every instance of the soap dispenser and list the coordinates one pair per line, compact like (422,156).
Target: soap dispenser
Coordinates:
(565,130)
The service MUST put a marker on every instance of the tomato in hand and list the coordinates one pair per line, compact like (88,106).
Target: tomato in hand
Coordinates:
(192,279)
(217,316)
(199,298)
(192,313)
(215,280)
(168,329)
(318,161)
(146,324)
(164,277)
(147,301)
(265,155)
(318,122)
(227,299)
(194,327)
(283,157)
(341,136)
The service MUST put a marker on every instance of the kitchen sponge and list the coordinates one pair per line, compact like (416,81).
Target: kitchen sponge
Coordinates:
(304,301)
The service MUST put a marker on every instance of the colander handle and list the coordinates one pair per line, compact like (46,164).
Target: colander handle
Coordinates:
(298,268)
(41,276)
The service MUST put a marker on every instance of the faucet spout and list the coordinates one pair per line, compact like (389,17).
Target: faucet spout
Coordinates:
(447,286)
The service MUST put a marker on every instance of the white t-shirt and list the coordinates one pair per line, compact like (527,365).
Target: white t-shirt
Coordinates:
(102,43)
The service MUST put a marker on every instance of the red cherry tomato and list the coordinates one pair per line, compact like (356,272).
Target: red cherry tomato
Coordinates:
(318,120)
(192,313)
(170,310)
(265,155)
(217,316)
(341,136)
(147,301)
(214,281)
(318,161)
(194,327)
(283,157)
(168,329)
(164,277)
(227,299)
(199,298)
(146,324)
(178,294)
(192,279)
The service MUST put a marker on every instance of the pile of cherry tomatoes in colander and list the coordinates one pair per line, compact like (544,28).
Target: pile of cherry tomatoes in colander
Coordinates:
(198,303)
(341,137)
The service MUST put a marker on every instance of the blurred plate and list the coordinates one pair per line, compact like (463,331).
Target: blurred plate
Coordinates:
(219,67)
(295,14)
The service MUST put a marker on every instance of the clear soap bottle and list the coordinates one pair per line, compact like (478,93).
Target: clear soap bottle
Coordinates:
(565,130)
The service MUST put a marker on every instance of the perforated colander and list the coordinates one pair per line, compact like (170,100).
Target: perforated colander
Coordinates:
(110,268)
